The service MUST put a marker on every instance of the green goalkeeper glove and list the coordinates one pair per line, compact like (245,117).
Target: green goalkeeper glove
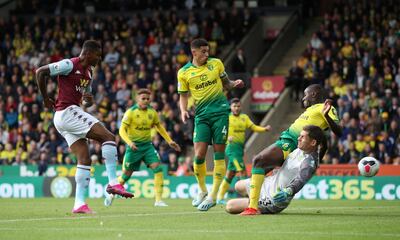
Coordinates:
(282,197)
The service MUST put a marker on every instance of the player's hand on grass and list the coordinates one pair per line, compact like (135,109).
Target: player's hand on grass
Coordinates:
(184,116)
(238,83)
(175,146)
(282,197)
(49,103)
(133,146)
(267,128)
(87,99)
(327,107)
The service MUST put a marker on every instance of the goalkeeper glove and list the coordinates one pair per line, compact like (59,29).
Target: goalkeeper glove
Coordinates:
(282,197)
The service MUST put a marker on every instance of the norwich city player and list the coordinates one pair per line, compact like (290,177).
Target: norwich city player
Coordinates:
(135,131)
(238,123)
(278,190)
(317,113)
(205,78)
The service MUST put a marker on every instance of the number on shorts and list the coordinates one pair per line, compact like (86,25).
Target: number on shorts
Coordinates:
(224,130)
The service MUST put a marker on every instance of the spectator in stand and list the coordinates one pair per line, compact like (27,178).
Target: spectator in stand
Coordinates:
(239,64)
(362,62)
(185,167)
(173,163)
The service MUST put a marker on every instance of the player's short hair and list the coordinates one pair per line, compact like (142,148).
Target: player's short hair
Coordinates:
(315,132)
(143,91)
(319,90)
(91,45)
(235,100)
(199,42)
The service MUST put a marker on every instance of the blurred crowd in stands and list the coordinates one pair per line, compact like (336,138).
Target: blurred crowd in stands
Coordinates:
(141,50)
(355,54)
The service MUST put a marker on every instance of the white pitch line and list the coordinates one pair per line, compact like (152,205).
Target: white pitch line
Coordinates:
(94,216)
(205,231)
(335,208)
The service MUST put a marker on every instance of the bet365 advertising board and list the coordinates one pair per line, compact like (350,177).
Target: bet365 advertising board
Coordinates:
(23,182)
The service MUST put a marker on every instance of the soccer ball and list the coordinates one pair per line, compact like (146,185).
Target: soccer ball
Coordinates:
(368,166)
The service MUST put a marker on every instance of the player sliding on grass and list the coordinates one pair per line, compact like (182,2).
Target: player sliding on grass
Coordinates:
(238,123)
(278,189)
(135,131)
(205,78)
(75,125)
(318,113)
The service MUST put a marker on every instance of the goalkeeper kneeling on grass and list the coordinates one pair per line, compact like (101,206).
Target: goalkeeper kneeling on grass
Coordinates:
(278,189)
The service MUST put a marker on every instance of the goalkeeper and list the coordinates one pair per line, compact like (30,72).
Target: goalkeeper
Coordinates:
(278,189)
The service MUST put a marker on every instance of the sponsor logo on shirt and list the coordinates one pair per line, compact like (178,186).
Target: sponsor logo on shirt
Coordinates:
(205,84)
(83,84)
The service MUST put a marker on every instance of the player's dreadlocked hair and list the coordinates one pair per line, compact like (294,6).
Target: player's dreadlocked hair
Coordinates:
(317,134)
(91,45)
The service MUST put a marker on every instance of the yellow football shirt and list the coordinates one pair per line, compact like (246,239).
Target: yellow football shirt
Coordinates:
(237,127)
(139,123)
(205,86)
(313,116)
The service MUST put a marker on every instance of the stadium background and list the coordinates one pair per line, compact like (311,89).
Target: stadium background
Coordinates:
(351,47)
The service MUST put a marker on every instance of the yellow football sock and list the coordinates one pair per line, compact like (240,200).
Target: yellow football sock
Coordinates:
(219,173)
(257,179)
(223,188)
(123,178)
(158,185)
(200,171)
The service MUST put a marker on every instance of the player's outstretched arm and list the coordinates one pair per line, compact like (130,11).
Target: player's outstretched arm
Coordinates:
(42,74)
(183,102)
(306,171)
(229,84)
(256,128)
(332,124)
(163,132)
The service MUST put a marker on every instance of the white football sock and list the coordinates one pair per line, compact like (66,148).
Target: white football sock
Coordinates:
(110,155)
(82,178)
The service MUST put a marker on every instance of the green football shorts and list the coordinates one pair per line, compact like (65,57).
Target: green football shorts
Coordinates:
(234,152)
(211,129)
(145,152)
(287,142)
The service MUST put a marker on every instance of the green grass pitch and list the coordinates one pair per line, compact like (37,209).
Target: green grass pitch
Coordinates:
(49,218)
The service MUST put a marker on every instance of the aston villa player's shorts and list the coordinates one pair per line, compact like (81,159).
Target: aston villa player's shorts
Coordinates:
(73,123)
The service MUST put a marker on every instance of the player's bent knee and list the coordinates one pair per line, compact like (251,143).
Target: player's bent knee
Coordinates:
(230,207)
(157,169)
(233,206)
(257,160)
(240,187)
(109,137)
(231,174)
(100,133)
